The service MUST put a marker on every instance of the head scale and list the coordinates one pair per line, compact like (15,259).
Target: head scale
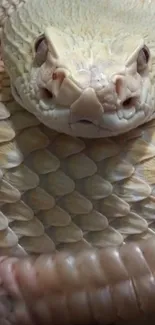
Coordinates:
(77,77)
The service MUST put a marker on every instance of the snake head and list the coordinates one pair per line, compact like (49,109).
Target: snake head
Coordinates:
(83,85)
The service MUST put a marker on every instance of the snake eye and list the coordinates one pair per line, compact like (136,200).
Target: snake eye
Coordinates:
(143,59)
(41,50)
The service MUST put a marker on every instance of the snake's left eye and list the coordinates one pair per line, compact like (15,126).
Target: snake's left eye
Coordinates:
(143,59)
(41,50)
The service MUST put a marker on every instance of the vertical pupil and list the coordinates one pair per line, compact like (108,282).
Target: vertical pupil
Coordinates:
(38,43)
(146,54)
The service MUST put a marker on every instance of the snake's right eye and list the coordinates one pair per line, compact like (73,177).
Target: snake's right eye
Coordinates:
(41,50)
(143,59)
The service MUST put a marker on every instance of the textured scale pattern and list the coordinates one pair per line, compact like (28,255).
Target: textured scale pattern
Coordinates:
(58,192)
(6,9)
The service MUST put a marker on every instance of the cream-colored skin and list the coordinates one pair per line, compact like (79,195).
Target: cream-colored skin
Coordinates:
(88,83)
(57,191)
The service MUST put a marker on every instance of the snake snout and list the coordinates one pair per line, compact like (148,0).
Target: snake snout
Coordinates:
(86,108)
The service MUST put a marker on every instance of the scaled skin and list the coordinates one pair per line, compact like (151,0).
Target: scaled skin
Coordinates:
(125,275)
(62,191)
(86,80)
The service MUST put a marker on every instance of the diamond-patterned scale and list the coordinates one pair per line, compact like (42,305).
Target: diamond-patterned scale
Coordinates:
(55,217)
(17,211)
(39,199)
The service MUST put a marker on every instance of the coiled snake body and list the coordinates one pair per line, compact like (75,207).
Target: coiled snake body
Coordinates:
(77,161)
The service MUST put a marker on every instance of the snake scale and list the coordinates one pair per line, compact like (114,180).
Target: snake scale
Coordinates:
(77,148)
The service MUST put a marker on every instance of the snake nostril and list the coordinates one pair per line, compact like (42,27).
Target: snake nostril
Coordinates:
(129,102)
(46,93)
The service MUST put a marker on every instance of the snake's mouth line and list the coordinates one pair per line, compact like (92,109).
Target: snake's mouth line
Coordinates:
(122,115)
(127,113)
